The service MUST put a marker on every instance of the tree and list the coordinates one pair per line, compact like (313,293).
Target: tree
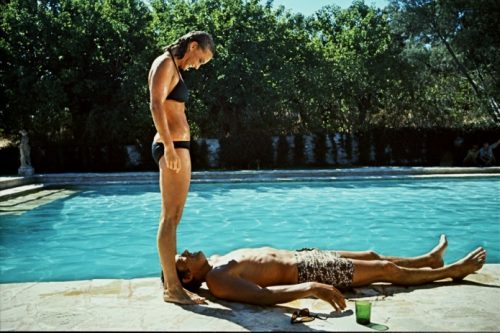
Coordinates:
(73,67)
(361,57)
(466,29)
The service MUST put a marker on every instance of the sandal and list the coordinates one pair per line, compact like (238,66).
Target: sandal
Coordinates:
(303,315)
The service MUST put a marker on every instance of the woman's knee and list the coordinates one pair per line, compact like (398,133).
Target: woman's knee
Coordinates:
(169,220)
(166,231)
(171,217)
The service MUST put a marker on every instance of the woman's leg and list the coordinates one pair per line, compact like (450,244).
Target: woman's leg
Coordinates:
(433,259)
(371,271)
(174,189)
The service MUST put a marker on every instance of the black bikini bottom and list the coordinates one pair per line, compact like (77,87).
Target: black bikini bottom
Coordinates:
(158,150)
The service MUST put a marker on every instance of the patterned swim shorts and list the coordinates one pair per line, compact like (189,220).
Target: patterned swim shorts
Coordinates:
(326,267)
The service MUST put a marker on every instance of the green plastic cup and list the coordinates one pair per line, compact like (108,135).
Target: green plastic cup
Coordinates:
(363,312)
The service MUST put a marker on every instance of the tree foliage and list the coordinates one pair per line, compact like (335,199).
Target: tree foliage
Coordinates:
(456,42)
(75,71)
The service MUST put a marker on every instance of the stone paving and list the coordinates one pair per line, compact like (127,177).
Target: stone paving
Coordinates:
(124,305)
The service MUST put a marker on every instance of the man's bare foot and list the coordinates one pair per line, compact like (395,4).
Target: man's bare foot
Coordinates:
(181,296)
(436,254)
(469,264)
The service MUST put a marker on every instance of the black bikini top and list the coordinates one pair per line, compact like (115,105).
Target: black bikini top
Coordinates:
(180,93)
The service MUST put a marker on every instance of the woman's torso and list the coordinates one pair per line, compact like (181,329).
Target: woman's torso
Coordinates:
(174,110)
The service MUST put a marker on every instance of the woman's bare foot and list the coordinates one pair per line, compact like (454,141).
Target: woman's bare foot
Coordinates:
(181,296)
(436,254)
(469,264)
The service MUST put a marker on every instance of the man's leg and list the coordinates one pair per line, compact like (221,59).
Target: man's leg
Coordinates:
(433,259)
(371,271)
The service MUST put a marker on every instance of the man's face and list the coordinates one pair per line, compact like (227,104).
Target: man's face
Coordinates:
(190,261)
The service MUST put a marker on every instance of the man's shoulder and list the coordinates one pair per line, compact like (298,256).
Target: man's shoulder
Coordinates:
(220,270)
(217,279)
(211,277)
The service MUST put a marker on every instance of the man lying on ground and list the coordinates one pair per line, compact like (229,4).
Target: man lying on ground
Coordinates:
(268,276)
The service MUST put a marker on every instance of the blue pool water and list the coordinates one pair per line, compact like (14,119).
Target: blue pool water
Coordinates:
(109,231)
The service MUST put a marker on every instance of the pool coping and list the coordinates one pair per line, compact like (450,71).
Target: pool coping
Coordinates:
(253,175)
(12,186)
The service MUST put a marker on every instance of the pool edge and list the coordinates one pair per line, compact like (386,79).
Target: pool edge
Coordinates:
(263,175)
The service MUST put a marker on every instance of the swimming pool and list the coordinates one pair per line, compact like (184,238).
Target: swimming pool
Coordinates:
(109,231)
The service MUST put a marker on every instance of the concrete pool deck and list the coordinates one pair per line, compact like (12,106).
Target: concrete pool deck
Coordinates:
(124,305)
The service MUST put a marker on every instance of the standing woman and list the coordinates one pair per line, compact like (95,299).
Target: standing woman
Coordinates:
(170,148)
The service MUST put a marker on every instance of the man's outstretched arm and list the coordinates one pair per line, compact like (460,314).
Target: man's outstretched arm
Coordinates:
(237,289)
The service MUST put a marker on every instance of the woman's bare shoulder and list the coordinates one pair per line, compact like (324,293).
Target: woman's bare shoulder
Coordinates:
(162,66)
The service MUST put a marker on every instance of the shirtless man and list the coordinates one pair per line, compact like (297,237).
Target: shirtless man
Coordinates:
(268,276)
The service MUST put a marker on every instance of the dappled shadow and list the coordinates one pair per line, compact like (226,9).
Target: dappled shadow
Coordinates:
(254,317)
(332,314)
(277,318)
(387,290)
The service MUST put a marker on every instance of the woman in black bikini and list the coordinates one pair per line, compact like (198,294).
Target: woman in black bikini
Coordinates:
(170,149)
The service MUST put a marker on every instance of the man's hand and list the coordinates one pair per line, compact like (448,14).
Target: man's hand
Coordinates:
(172,160)
(329,294)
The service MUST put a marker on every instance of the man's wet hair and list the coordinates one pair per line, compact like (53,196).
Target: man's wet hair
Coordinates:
(193,285)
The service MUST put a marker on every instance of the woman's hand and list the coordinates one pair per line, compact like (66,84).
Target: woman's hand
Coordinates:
(329,294)
(172,160)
